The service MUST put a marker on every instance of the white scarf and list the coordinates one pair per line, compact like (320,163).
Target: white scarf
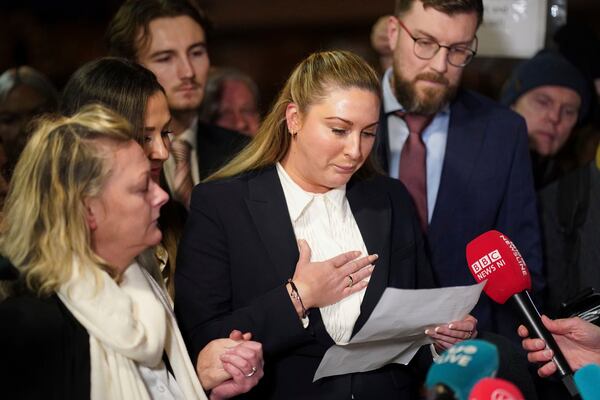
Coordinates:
(128,324)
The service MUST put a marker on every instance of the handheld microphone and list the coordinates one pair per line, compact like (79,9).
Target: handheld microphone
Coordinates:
(454,373)
(495,389)
(586,380)
(492,256)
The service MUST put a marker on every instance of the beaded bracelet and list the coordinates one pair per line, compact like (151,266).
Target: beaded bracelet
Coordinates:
(296,296)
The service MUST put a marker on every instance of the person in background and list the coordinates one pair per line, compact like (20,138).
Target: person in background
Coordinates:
(570,216)
(25,93)
(380,42)
(282,240)
(170,38)
(553,96)
(463,157)
(133,92)
(82,319)
(231,101)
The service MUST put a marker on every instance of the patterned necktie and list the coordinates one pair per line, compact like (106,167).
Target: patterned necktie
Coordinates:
(182,182)
(413,169)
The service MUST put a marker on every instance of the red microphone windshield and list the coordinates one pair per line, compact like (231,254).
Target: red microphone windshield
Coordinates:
(495,389)
(493,256)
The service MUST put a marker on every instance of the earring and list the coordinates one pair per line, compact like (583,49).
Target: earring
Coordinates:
(294,135)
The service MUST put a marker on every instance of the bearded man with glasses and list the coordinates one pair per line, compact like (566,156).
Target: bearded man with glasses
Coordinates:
(463,158)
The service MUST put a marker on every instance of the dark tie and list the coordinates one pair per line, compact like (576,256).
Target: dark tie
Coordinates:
(413,170)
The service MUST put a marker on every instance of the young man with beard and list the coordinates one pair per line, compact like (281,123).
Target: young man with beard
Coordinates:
(465,161)
(169,37)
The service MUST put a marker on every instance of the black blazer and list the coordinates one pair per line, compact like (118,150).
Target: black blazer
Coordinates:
(238,250)
(45,351)
(216,146)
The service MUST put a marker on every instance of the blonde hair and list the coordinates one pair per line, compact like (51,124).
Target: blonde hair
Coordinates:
(44,228)
(309,83)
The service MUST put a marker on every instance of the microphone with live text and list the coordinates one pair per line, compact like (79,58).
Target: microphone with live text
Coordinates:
(492,256)
(457,370)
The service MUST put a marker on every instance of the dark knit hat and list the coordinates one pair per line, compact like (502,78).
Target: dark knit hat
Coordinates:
(546,68)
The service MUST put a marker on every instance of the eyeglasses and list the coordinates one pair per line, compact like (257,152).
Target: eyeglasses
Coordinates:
(426,49)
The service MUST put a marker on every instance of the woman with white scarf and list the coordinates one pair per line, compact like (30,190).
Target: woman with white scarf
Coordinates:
(83,320)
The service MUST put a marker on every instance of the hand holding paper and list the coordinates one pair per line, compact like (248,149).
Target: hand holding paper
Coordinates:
(396,329)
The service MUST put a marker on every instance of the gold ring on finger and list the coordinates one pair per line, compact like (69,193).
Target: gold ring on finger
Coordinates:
(351,281)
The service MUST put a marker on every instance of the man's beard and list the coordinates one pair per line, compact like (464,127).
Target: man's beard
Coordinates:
(433,100)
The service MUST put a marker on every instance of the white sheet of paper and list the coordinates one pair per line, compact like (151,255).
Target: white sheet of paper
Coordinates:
(396,328)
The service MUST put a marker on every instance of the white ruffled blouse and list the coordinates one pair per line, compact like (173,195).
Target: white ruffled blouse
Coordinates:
(327,224)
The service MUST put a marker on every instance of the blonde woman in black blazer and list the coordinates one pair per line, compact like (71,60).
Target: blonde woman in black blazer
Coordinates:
(241,263)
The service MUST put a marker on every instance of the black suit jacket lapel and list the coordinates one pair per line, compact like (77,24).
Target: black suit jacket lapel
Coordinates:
(372,212)
(208,154)
(216,146)
(268,208)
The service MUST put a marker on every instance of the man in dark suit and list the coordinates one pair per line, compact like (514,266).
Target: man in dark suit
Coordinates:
(170,39)
(463,158)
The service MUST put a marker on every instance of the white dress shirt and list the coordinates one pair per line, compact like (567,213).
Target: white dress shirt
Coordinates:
(160,383)
(327,224)
(191,136)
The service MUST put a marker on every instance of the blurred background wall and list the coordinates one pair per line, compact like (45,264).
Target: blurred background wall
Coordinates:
(265,38)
